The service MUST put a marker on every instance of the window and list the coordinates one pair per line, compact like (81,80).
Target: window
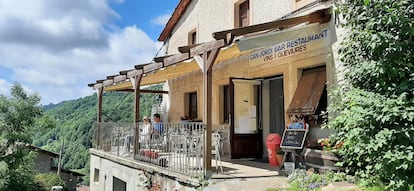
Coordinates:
(242,14)
(191,105)
(96,175)
(118,184)
(192,37)
(225,103)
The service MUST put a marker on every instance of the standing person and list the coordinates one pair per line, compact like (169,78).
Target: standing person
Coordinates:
(158,127)
(159,132)
(146,131)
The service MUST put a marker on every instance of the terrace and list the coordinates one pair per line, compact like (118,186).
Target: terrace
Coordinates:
(178,152)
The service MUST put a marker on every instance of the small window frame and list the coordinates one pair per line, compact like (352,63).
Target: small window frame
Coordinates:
(192,37)
(238,7)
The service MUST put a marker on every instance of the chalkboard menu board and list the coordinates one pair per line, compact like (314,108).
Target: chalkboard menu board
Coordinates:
(293,138)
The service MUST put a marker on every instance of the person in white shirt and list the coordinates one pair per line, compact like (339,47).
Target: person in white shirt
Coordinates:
(146,131)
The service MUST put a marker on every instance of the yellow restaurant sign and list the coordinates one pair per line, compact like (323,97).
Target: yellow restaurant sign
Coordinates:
(300,41)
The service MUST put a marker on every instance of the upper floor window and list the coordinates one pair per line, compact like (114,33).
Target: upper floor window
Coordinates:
(192,37)
(242,13)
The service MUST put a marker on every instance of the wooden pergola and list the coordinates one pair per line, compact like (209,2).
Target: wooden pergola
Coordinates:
(192,58)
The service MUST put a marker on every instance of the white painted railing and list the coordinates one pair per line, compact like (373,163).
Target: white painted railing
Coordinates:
(179,147)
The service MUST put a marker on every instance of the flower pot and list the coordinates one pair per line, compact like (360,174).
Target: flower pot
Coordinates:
(279,159)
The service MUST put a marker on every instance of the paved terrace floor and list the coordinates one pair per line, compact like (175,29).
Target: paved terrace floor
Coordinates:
(244,168)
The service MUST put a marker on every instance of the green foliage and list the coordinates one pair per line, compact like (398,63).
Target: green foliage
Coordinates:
(74,121)
(18,116)
(376,109)
(47,181)
(378,50)
(4,170)
(300,180)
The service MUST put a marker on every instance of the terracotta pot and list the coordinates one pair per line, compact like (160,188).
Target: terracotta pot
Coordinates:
(279,159)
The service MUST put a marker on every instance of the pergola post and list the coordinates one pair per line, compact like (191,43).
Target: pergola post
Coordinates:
(99,93)
(208,59)
(136,80)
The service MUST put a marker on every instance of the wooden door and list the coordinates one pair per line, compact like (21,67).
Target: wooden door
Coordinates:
(245,129)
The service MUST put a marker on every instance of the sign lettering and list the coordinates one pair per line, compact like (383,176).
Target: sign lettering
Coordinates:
(292,47)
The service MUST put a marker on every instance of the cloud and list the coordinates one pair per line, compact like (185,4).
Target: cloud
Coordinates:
(5,87)
(57,47)
(161,20)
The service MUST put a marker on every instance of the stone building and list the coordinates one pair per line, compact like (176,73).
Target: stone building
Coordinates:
(45,163)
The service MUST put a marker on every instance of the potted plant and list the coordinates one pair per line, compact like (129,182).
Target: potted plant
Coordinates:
(321,156)
(279,156)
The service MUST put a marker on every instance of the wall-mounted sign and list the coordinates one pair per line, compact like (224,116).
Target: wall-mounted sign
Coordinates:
(297,41)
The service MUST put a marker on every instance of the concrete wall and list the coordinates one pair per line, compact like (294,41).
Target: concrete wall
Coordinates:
(212,16)
(135,179)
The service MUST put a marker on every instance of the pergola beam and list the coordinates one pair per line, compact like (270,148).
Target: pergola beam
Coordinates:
(152,67)
(146,91)
(282,23)
(119,78)
(175,59)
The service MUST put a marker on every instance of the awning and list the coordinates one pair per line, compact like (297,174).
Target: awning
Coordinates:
(306,99)
(162,75)
(272,38)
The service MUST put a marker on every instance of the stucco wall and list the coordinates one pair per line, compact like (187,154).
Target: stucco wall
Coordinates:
(290,67)
(218,15)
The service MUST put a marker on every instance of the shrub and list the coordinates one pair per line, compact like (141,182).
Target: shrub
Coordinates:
(48,180)
(375,106)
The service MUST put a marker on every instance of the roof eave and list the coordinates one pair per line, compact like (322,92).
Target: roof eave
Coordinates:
(175,17)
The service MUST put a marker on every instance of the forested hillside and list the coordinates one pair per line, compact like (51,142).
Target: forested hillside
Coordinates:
(75,120)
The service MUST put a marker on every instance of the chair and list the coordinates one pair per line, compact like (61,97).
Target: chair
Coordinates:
(215,149)
(224,138)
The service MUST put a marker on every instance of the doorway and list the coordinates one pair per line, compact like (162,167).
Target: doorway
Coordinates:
(246,129)
(276,105)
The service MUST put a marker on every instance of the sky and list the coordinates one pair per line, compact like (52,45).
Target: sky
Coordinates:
(55,48)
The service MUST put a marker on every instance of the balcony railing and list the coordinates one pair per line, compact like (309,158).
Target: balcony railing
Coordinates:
(179,147)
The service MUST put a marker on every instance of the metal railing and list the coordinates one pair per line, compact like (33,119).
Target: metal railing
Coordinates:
(174,146)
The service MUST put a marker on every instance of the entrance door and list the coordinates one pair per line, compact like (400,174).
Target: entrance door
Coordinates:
(276,106)
(245,129)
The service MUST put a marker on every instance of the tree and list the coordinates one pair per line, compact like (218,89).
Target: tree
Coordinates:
(375,108)
(18,115)
(48,180)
